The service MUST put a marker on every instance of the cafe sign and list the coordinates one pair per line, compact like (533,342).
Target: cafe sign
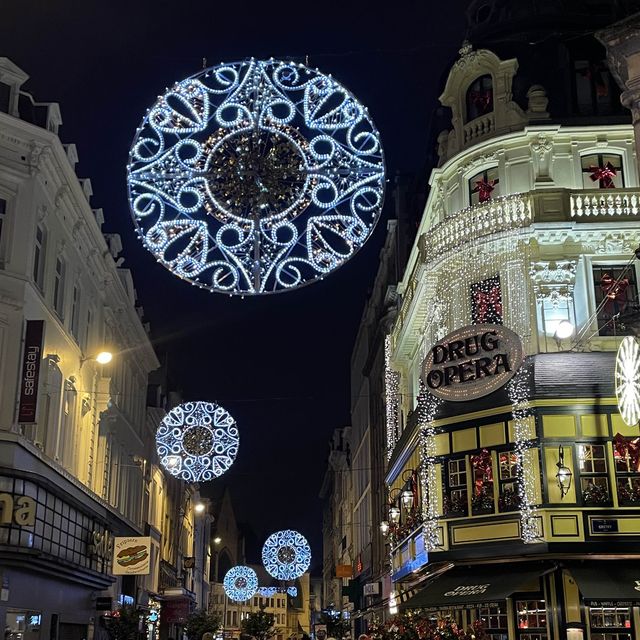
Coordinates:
(472,362)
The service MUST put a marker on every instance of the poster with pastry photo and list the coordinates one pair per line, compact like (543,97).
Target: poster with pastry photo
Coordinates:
(131,556)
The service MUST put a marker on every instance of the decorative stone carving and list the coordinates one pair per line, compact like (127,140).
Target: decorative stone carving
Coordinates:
(537,103)
(553,281)
(541,155)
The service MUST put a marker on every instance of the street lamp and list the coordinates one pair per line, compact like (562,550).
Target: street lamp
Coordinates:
(564,475)
(384,527)
(199,507)
(564,331)
(394,514)
(102,357)
(407,498)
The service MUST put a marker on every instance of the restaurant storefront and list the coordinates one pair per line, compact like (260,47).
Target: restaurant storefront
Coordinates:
(538,600)
(55,548)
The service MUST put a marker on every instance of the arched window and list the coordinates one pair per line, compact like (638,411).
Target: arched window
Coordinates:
(484,186)
(479,99)
(602,171)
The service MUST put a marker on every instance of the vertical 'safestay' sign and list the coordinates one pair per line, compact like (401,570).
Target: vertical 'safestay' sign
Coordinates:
(31,358)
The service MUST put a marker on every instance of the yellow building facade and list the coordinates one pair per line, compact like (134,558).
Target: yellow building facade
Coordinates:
(514,489)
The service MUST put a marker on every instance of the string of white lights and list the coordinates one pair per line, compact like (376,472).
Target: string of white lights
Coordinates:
(392,398)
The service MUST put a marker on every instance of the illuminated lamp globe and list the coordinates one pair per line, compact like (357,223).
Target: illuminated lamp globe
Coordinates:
(104,357)
(564,330)
(199,508)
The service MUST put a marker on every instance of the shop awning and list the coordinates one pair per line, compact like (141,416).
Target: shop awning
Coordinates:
(607,581)
(465,586)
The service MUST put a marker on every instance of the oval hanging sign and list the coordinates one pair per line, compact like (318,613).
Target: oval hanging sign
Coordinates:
(472,362)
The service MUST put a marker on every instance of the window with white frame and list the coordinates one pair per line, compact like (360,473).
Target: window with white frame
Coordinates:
(484,186)
(39,256)
(494,619)
(456,498)
(532,619)
(615,288)
(594,481)
(479,97)
(58,287)
(602,171)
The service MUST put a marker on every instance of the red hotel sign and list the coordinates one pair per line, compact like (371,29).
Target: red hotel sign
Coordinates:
(31,359)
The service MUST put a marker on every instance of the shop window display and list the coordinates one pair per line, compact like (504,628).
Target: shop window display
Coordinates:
(509,499)
(494,619)
(22,625)
(626,455)
(531,619)
(482,487)
(610,623)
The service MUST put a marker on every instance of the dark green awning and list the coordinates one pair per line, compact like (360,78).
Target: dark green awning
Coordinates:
(607,581)
(464,586)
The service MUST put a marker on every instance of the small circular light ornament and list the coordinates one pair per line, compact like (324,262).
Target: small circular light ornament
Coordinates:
(286,555)
(197,441)
(627,378)
(255,177)
(240,583)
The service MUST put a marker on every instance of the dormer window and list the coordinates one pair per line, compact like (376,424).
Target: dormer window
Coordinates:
(602,171)
(484,186)
(593,91)
(479,97)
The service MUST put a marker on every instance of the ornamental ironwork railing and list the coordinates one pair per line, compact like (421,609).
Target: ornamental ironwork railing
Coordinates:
(605,203)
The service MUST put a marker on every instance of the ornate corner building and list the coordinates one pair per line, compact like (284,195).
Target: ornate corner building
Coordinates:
(520,504)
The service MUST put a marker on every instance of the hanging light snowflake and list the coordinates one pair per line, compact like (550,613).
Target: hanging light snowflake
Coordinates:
(255,177)
(197,441)
(286,555)
(240,583)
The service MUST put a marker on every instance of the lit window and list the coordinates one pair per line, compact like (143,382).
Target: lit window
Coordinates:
(615,290)
(627,466)
(456,499)
(494,619)
(509,498)
(482,482)
(602,171)
(610,623)
(594,483)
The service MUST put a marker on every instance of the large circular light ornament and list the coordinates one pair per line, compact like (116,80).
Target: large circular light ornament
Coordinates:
(197,441)
(628,380)
(240,583)
(286,555)
(255,177)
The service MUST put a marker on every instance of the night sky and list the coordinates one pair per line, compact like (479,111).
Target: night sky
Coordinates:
(279,364)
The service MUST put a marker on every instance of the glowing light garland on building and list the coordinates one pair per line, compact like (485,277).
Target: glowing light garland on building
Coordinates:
(197,441)
(429,480)
(255,177)
(392,397)
(519,389)
(240,583)
(286,555)
(268,592)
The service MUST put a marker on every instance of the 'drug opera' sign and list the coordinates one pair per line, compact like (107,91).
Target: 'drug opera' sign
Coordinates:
(472,362)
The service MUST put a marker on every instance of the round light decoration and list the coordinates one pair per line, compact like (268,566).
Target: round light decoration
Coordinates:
(197,441)
(628,380)
(240,583)
(255,177)
(286,555)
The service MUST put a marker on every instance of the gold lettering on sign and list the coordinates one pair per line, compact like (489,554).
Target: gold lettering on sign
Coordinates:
(25,510)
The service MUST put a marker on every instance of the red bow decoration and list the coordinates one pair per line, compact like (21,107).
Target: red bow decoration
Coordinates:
(484,188)
(616,293)
(484,300)
(481,100)
(604,175)
(482,472)
(627,448)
